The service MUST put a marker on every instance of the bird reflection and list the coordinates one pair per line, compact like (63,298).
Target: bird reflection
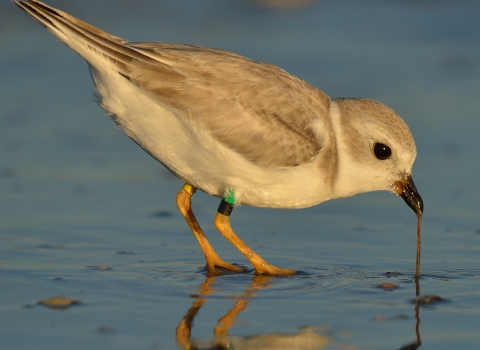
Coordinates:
(418,342)
(305,338)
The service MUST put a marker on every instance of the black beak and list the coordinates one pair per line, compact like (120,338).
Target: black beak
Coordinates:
(407,190)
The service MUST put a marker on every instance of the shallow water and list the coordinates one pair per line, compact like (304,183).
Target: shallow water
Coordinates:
(75,193)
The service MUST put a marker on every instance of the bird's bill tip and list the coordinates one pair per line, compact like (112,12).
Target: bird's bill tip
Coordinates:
(406,189)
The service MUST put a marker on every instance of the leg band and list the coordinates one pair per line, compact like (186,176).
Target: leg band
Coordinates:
(225,208)
(189,188)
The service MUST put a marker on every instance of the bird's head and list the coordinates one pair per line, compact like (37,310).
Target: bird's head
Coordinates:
(376,150)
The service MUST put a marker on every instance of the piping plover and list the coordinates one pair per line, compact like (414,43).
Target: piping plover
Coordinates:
(244,131)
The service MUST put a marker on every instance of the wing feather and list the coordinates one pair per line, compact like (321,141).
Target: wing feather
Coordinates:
(256,109)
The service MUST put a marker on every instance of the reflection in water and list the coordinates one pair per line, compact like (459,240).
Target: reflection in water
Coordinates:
(417,326)
(417,285)
(306,338)
(416,344)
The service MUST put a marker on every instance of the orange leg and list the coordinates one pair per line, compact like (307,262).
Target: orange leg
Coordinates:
(184,328)
(259,282)
(226,322)
(184,205)
(262,267)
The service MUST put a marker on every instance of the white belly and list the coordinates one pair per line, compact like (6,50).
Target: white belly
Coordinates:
(187,149)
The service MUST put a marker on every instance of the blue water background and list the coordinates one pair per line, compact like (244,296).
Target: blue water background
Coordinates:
(75,191)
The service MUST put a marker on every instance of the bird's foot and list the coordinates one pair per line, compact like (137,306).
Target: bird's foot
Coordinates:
(265,268)
(219,267)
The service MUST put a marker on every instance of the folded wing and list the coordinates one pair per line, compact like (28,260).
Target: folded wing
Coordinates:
(270,117)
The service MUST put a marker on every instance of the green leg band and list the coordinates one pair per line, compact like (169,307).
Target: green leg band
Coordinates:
(230,197)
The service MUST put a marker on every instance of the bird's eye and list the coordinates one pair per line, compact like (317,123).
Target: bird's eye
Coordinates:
(381,151)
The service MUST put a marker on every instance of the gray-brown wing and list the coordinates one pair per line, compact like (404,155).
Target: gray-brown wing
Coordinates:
(256,109)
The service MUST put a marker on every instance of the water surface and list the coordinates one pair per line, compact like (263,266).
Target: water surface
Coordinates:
(75,193)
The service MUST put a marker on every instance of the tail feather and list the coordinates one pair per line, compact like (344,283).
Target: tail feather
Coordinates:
(81,36)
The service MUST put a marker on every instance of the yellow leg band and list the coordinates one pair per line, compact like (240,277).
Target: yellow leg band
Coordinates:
(189,188)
